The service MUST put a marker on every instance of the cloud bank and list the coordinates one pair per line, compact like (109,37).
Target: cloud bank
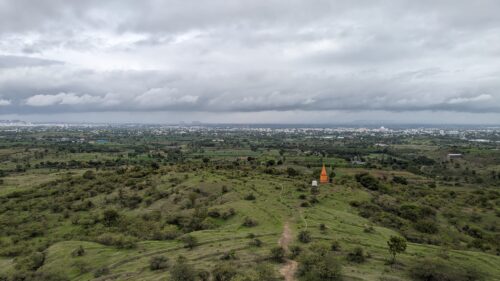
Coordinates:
(218,57)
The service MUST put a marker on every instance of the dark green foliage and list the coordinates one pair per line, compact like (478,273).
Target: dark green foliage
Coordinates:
(31,262)
(400,180)
(189,241)
(101,272)
(89,175)
(426,226)
(78,252)
(335,246)
(249,222)
(110,217)
(396,245)
(265,272)
(292,172)
(368,181)
(250,197)
(229,255)
(118,240)
(319,266)
(356,255)
(224,272)
(182,271)
(438,270)
(255,242)
(304,236)
(295,251)
(158,262)
(277,254)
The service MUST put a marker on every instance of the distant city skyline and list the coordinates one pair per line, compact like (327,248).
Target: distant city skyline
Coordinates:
(262,61)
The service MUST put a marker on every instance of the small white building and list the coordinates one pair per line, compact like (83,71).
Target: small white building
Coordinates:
(314,183)
(454,156)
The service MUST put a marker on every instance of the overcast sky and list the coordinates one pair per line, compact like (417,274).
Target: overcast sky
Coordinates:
(268,61)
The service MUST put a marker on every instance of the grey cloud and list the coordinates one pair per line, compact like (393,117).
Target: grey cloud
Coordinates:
(20,61)
(254,56)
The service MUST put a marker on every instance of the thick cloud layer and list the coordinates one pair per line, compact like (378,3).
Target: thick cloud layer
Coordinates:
(243,57)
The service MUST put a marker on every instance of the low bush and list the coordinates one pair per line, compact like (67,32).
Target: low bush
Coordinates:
(356,255)
(435,269)
(277,254)
(248,222)
(158,262)
(304,236)
(117,240)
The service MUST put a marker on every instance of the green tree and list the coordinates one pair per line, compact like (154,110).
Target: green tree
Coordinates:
(396,245)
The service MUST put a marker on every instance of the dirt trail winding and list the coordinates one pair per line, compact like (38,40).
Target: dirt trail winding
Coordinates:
(290,267)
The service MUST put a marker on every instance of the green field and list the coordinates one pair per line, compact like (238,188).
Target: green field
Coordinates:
(123,211)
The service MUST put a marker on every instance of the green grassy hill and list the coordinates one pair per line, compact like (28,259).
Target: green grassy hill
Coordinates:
(276,199)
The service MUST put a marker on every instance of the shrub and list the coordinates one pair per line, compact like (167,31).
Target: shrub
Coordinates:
(400,180)
(31,262)
(223,272)
(356,255)
(189,241)
(335,246)
(265,272)
(255,242)
(82,266)
(277,254)
(101,272)
(117,240)
(78,252)
(369,229)
(248,222)
(305,204)
(214,213)
(304,236)
(295,251)
(322,227)
(181,271)
(89,175)
(316,266)
(158,262)
(368,181)
(110,217)
(228,213)
(426,226)
(436,269)
(292,172)
(229,255)
(250,197)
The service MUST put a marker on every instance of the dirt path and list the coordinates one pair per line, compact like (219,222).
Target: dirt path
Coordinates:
(290,267)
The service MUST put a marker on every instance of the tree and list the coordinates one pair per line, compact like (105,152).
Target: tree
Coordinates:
(396,245)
